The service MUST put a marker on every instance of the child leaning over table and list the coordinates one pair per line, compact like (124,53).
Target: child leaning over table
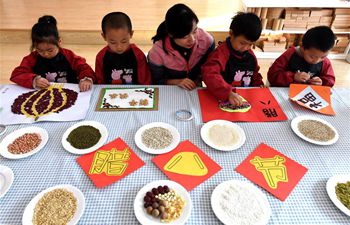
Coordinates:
(233,63)
(120,62)
(51,63)
(307,63)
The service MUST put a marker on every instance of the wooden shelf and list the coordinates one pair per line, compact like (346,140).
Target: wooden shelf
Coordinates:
(297,3)
(268,31)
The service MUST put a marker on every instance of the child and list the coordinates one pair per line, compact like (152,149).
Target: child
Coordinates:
(307,63)
(179,49)
(51,63)
(233,63)
(120,62)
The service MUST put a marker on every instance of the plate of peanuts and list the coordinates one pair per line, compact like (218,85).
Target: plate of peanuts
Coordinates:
(162,202)
(23,142)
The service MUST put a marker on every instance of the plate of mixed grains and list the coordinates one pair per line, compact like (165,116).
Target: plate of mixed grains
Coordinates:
(61,204)
(162,202)
(314,130)
(84,137)
(157,138)
(338,189)
(23,142)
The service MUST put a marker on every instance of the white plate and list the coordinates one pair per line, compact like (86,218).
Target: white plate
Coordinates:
(206,139)
(298,119)
(331,184)
(145,219)
(17,133)
(29,210)
(99,144)
(6,179)
(259,196)
(173,131)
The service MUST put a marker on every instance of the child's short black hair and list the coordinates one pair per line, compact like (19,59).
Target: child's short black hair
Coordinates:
(45,30)
(116,20)
(246,24)
(321,38)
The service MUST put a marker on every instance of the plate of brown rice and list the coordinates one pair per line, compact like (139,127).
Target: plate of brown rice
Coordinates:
(61,204)
(314,130)
(157,138)
(23,142)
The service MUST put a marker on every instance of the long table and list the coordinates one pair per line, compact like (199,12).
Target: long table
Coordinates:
(307,204)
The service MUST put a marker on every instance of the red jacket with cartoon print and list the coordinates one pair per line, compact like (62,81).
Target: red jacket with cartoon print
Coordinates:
(227,68)
(24,74)
(130,67)
(281,73)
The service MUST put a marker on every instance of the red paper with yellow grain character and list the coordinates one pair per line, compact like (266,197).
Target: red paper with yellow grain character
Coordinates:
(110,163)
(272,170)
(187,165)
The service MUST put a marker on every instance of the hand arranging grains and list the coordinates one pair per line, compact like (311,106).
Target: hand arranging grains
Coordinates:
(157,138)
(24,143)
(163,203)
(316,130)
(55,207)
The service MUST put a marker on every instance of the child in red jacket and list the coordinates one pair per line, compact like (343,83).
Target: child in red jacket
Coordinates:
(120,62)
(307,63)
(51,63)
(233,63)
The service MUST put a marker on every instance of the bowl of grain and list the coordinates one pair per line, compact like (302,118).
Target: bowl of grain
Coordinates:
(23,142)
(314,130)
(157,138)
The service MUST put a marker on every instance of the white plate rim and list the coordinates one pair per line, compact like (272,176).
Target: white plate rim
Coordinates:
(141,214)
(8,175)
(257,191)
(240,131)
(294,126)
(171,128)
(17,133)
(330,186)
(29,210)
(101,127)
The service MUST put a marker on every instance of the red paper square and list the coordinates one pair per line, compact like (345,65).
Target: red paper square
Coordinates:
(264,107)
(187,165)
(272,162)
(118,165)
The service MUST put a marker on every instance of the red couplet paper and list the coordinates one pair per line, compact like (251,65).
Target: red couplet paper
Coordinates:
(272,170)
(187,165)
(260,106)
(110,163)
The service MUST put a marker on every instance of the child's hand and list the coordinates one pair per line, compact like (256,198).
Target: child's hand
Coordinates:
(187,84)
(315,81)
(301,77)
(41,83)
(85,85)
(235,99)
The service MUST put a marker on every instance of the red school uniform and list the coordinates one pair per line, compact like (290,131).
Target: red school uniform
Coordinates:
(281,73)
(227,68)
(65,67)
(130,67)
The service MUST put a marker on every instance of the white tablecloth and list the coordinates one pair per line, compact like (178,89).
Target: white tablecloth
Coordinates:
(307,204)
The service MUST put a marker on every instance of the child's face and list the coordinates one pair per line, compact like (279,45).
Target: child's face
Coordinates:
(240,43)
(189,40)
(313,55)
(118,40)
(47,50)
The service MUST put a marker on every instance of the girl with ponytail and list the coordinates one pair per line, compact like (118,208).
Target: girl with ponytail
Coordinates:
(48,62)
